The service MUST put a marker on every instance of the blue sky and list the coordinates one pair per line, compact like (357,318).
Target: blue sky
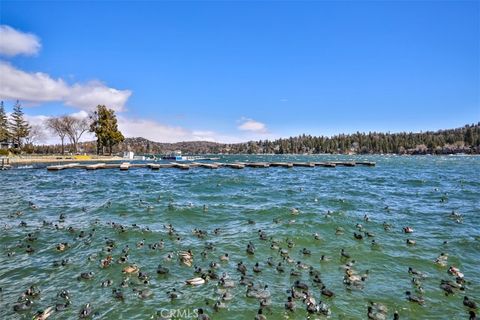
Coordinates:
(233,71)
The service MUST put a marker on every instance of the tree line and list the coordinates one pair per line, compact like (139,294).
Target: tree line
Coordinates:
(17,135)
(460,140)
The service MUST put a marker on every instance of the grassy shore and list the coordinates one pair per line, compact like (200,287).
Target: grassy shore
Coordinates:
(63,159)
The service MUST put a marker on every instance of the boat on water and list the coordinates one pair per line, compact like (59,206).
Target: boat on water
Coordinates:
(177,156)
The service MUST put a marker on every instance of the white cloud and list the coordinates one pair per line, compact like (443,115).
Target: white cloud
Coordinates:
(160,132)
(14,42)
(38,87)
(252,126)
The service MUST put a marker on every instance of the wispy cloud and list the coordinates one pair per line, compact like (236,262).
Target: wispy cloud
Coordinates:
(14,42)
(251,125)
(38,87)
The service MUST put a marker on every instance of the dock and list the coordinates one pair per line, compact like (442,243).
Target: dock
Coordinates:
(125,166)
(282,164)
(5,164)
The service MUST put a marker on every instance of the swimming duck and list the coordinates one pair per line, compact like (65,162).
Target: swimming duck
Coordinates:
(469,303)
(290,304)
(411,242)
(86,311)
(300,285)
(413,298)
(357,236)
(343,254)
(250,248)
(162,270)
(173,294)
(257,268)
(186,257)
(456,272)
(472,315)
(242,268)
(201,315)
(375,315)
(227,283)
(260,315)
(280,267)
(86,276)
(23,305)
(407,229)
(416,273)
(326,292)
(295,273)
(306,252)
(143,293)
(104,263)
(195,281)
(130,269)
(32,291)
(224,257)
(294,211)
(106,283)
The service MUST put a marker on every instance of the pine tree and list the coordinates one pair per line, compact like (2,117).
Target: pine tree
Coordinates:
(19,128)
(4,132)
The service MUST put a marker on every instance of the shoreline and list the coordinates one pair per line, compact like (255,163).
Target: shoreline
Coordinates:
(54,159)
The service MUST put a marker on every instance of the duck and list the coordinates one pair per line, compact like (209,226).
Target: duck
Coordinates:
(407,229)
(86,311)
(24,305)
(416,273)
(306,252)
(343,254)
(173,294)
(104,263)
(130,269)
(118,294)
(456,272)
(195,281)
(224,257)
(260,315)
(294,211)
(357,236)
(242,268)
(106,283)
(469,303)
(411,242)
(415,299)
(250,248)
(375,315)
(280,267)
(290,304)
(86,275)
(201,315)
(327,293)
(257,268)
(472,315)
(162,270)
(227,283)
(300,285)
(295,273)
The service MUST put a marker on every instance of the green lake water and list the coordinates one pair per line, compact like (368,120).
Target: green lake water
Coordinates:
(420,192)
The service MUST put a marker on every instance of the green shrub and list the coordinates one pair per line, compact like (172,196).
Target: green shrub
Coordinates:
(4,152)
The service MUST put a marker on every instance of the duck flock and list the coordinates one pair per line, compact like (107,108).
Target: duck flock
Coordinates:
(276,276)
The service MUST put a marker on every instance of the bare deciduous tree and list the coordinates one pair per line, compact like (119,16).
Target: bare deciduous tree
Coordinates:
(57,126)
(36,134)
(75,127)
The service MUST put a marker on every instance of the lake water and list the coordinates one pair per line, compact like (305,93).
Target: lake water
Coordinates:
(420,192)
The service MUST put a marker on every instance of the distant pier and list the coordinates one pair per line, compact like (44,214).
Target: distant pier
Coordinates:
(125,166)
